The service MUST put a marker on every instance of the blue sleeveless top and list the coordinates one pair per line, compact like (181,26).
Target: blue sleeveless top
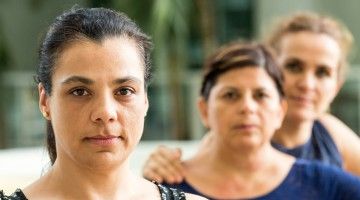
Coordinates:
(319,147)
(306,180)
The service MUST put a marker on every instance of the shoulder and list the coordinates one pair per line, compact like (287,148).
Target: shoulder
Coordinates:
(336,128)
(184,186)
(313,180)
(346,140)
(325,176)
(315,169)
(17,195)
(194,197)
(169,193)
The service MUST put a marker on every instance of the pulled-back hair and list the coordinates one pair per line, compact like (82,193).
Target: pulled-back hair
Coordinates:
(94,24)
(314,23)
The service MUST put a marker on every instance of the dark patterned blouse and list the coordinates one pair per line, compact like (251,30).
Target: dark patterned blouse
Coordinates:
(166,193)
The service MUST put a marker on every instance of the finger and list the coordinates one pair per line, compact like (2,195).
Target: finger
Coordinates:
(164,162)
(166,167)
(150,175)
(170,158)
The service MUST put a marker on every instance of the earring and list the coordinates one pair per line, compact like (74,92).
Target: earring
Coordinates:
(45,114)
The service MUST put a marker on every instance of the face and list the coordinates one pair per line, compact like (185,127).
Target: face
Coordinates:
(98,102)
(244,108)
(310,64)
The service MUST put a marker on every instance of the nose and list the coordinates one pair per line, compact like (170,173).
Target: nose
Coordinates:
(104,109)
(307,81)
(247,105)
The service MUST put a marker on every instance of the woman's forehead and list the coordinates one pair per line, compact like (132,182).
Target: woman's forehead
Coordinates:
(115,56)
(253,76)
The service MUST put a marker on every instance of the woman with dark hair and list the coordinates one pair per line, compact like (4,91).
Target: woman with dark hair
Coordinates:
(242,104)
(92,82)
(312,52)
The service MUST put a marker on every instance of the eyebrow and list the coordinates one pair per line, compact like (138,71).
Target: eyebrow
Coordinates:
(87,81)
(127,79)
(75,79)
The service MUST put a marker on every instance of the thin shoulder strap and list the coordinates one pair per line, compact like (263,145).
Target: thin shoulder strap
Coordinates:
(168,193)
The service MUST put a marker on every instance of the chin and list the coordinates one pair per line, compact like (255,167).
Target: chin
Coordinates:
(247,144)
(104,160)
(301,115)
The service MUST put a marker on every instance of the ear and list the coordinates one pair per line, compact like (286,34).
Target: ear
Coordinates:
(203,111)
(146,104)
(282,112)
(44,102)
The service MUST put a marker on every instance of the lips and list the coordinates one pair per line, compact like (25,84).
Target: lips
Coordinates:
(245,127)
(103,140)
(301,100)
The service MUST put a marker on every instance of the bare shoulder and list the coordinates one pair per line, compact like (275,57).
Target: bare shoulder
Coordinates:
(148,190)
(194,197)
(152,192)
(333,124)
(339,131)
(347,141)
(40,189)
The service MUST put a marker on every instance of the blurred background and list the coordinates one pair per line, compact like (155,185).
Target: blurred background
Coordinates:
(183,31)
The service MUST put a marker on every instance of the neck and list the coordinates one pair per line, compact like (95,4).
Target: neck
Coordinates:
(293,133)
(87,183)
(236,172)
(244,163)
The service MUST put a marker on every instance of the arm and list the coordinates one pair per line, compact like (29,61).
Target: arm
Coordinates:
(164,165)
(346,140)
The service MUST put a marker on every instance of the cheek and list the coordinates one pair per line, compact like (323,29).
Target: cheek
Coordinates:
(66,113)
(66,121)
(289,81)
(220,116)
(134,119)
(214,116)
(328,89)
(272,115)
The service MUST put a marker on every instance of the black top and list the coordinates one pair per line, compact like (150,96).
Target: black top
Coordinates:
(17,195)
(166,193)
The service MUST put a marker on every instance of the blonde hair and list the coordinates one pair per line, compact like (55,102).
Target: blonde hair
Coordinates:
(315,23)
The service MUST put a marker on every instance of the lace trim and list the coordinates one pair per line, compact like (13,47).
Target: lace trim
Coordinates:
(168,193)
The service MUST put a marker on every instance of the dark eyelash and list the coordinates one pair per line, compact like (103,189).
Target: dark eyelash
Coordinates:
(128,89)
(84,91)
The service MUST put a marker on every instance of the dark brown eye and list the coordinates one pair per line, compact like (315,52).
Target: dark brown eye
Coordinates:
(79,92)
(323,72)
(230,95)
(293,65)
(125,91)
(259,95)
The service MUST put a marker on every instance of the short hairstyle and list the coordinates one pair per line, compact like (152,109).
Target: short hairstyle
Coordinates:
(240,55)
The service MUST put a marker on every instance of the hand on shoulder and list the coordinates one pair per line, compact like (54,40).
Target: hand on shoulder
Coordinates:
(164,165)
